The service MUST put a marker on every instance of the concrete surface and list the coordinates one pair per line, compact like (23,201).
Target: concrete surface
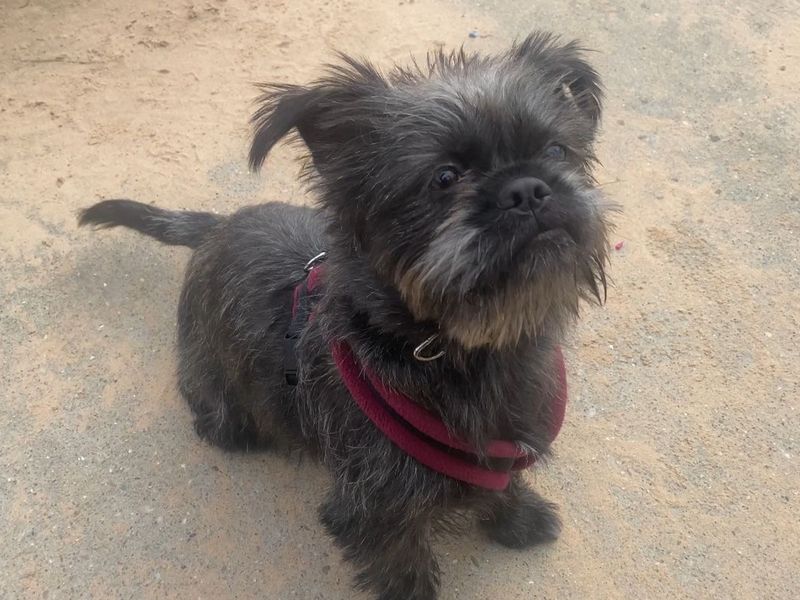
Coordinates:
(678,471)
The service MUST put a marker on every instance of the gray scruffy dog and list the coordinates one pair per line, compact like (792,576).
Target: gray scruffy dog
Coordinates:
(457,207)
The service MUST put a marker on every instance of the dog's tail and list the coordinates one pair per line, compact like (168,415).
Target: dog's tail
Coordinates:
(176,228)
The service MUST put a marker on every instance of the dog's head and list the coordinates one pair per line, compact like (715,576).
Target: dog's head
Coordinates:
(466,183)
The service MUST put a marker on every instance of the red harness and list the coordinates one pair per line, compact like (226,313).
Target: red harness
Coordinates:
(417,431)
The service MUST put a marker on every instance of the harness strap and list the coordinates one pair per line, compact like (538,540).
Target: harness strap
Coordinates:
(417,431)
(303,300)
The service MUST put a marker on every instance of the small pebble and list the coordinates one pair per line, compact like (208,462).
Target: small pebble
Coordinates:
(619,245)
(474,34)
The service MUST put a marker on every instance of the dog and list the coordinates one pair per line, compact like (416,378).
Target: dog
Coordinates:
(406,329)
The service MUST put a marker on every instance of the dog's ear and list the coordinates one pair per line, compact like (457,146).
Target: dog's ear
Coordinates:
(281,108)
(328,114)
(576,80)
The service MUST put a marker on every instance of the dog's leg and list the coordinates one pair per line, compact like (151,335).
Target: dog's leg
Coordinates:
(390,548)
(521,517)
(219,417)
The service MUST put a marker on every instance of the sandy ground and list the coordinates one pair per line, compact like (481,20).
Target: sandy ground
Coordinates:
(678,470)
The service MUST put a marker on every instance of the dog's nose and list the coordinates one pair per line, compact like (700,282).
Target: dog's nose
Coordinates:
(525,193)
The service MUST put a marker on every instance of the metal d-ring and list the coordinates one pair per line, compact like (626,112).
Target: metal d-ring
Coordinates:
(421,348)
(313,262)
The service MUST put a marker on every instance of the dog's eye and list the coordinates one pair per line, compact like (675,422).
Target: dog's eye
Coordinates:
(556,152)
(446,176)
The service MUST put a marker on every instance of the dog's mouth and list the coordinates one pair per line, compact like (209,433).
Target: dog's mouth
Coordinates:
(536,226)
(558,235)
(522,239)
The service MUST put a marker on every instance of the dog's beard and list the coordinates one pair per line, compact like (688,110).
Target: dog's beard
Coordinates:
(491,285)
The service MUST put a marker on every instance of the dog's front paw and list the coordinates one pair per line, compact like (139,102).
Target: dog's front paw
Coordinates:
(522,520)
(393,557)
(408,587)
